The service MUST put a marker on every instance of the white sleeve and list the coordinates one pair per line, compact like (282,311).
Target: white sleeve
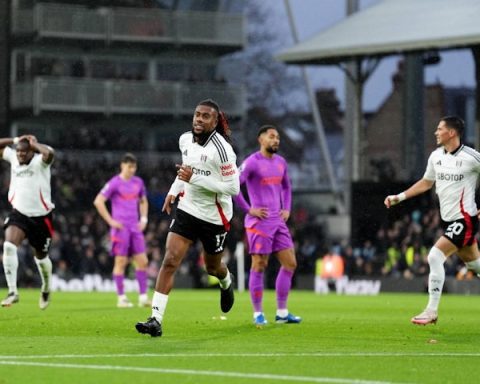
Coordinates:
(7,154)
(230,187)
(430,171)
(176,187)
(229,179)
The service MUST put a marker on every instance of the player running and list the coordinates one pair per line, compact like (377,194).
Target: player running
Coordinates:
(31,216)
(265,175)
(206,182)
(454,168)
(128,198)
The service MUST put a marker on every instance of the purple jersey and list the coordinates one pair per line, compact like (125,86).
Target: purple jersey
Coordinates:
(268,185)
(124,196)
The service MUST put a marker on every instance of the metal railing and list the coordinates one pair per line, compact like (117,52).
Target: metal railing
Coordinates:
(109,97)
(130,24)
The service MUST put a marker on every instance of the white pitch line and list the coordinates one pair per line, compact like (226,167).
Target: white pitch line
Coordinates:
(208,355)
(194,372)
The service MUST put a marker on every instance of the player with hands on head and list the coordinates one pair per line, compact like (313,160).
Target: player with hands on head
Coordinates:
(31,217)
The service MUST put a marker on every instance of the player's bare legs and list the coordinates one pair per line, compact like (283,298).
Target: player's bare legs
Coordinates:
(141,264)
(13,238)
(176,249)
(215,266)
(469,254)
(283,284)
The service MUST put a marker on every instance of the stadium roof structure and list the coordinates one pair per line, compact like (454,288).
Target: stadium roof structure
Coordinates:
(392,27)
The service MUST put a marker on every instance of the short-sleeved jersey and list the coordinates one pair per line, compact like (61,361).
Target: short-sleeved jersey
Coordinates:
(455,175)
(208,194)
(124,196)
(267,182)
(30,190)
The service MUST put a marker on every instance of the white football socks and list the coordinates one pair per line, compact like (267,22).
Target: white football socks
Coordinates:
(474,266)
(226,281)
(45,268)
(10,265)
(159,304)
(436,278)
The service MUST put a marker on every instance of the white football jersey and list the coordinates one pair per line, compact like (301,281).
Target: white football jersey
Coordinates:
(455,175)
(208,194)
(30,190)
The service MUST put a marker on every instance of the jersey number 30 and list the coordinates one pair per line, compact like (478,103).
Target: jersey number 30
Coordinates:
(454,229)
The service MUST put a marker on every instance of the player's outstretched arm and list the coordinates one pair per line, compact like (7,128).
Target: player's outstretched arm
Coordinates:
(418,188)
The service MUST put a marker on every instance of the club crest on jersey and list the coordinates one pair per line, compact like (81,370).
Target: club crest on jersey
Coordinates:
(439,162)
(459,163)
(185,153)
(203,158)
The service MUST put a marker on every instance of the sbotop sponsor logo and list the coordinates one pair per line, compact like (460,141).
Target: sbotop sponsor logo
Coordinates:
(450,176)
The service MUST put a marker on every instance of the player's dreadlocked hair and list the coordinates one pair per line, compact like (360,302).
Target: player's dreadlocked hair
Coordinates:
(222,125)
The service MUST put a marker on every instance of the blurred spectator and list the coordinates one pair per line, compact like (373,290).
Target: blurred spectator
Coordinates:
(81,246)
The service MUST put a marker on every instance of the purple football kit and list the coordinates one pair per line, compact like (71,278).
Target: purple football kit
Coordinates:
(268,187)
(124,196)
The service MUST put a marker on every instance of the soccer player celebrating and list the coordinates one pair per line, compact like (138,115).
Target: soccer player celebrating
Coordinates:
(266,177)
(454,168)
(31,217)
(205,183)
(128,197)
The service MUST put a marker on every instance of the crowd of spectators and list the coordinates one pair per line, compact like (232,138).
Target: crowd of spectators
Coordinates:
(80,245)
(399,249)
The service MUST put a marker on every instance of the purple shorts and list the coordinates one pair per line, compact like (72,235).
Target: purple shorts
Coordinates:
(267,236)
(127,241)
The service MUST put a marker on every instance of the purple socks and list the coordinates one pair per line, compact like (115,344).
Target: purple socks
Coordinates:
(255,286)
(118,279)
(282,287)
(142,281)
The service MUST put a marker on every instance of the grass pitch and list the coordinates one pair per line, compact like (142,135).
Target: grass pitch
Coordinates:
(84,338)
